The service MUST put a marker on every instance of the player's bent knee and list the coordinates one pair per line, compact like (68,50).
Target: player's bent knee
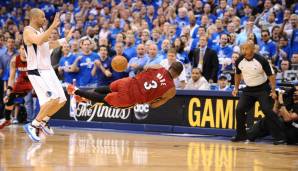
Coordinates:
(9,107)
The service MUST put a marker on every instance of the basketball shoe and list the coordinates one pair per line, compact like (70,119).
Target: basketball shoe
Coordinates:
(45,127)
(32,132)
(71,89)
(4,123)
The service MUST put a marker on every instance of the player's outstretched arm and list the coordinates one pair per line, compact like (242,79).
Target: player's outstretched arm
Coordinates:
(31,37)
(12,72)
(166,97)
(152,66)
(60,42)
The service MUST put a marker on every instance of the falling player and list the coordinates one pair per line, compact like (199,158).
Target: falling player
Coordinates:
(154,86)
(40,72)
(18,88)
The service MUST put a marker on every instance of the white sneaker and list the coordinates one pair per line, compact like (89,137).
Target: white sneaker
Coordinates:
(32,132)
(45,127)
(15,121)
(2,121)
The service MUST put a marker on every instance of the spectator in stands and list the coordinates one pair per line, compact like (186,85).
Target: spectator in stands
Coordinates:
(294,61)
(154,58)
(285,65)
(223,83)
(130,48)
(115,30)
(275,33)
(65,64)
(293,32)
(119,49)
(2,45)
(102,67)
(156,37)
(267,46)
(5,60)
(75,47)
(165,46)
(180,82)
(284,45)
(181,55)
(224,53)
(206,59)
(137,63)
(83,65)
(197,81)
(145,36)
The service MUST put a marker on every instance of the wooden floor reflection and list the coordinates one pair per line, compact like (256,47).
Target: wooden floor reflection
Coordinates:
(98,150)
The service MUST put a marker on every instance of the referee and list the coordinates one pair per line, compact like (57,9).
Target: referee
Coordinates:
(257,74)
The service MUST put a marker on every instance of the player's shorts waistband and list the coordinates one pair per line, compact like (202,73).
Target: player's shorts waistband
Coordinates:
(33,72)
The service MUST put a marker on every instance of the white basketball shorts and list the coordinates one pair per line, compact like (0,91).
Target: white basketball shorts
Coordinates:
(46,85)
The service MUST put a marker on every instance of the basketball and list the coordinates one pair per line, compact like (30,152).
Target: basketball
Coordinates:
(119,63)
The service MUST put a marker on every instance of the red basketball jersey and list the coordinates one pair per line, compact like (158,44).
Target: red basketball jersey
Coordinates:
(151,84)
(22,83)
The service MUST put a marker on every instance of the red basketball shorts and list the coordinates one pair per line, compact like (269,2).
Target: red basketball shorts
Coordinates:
(121,95)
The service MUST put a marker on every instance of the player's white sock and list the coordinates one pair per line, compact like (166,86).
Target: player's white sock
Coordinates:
(36,123)
(46,119)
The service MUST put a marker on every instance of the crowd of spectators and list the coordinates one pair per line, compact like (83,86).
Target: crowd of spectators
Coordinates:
(205,34)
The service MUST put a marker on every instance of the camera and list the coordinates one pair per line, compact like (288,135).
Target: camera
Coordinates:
(288,91)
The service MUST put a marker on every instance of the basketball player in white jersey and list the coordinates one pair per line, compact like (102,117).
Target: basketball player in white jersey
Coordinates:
(40,72)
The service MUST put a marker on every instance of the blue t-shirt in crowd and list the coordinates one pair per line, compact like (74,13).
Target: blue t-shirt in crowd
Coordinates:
(136,60)
(86,64)
(183,57)
(268,49)
(103,80)
(66,62)
(294,41)
(130,52)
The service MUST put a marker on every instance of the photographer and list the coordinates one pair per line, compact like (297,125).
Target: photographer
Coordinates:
(286,107)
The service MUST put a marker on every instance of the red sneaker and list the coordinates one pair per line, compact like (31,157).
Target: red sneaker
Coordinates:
(71,89)
(5,123)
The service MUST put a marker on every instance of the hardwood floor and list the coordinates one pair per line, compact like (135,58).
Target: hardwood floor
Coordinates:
(113,151)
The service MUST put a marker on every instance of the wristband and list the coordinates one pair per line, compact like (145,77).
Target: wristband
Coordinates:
(61,41)
(9,88)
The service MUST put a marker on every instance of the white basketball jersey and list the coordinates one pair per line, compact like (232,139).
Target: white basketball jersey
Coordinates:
(38,56)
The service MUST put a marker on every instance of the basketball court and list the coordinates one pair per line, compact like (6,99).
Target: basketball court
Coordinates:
(83,149)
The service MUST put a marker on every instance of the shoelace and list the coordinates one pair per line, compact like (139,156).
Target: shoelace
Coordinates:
(37,129)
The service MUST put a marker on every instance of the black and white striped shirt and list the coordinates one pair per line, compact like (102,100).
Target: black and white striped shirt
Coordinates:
(255,72)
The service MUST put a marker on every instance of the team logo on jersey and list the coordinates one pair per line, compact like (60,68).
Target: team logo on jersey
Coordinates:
(49,93)
(141,111)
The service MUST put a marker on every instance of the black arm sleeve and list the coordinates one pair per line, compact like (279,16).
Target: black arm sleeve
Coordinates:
(238,71)
(103,90)
(265,65)
(91,95)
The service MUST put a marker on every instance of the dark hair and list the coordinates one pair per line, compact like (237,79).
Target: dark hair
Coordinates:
(265,30)
(202,28)
(177,67)
(179,49)
(290,63)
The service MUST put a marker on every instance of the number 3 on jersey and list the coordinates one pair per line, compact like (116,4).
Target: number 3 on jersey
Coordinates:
(151,85)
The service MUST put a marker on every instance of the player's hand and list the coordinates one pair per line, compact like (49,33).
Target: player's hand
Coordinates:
(5,99)
(97,63)
(69,35)
(108,73)
(273,95)
(56,21)
(235,92)
(134,66)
